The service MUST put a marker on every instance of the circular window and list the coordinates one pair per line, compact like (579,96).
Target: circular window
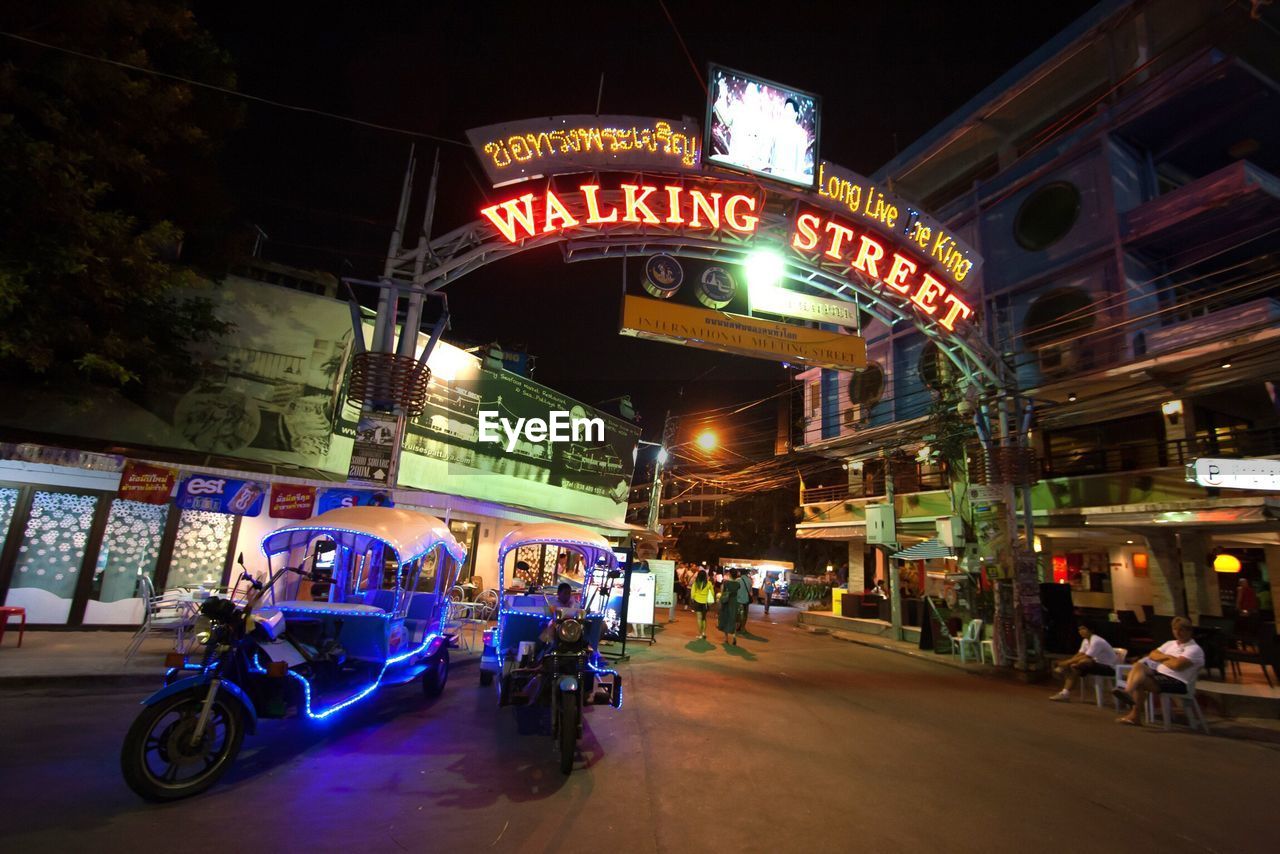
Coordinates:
(1047,216)
(867,385)
(1055,315)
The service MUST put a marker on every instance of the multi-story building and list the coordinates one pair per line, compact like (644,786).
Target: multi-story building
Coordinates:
(684,508)
(1121,184)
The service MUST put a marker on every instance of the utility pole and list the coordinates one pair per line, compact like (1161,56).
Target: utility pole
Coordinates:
(388,378)
(659,466)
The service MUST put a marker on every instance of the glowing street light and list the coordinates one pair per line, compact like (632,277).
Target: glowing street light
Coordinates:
(764,269)
(707,440)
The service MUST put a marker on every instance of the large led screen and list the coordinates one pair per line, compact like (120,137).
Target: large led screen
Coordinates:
(757,126)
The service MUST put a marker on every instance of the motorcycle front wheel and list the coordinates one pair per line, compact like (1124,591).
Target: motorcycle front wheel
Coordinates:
(159,761)
(568,729)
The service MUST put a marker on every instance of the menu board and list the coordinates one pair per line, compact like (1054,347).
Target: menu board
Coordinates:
(664,582)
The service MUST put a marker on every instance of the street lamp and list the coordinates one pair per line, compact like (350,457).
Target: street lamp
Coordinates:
(764,269)
(707,441)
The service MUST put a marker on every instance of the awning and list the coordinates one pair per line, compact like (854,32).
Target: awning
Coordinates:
(831,531)
(924,551)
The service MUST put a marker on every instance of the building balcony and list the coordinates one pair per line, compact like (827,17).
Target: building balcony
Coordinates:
(907,478)
(1148,454)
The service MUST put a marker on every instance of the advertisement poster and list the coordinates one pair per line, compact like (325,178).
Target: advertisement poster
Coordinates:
(444,451)
(217,494)
(292,502)
(146,484)
(375,442)
(640,602)
(762,128)
(332,499)
(267,392)
(664,582)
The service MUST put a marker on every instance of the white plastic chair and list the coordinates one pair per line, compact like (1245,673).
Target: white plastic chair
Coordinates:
(987,646)
(1189,704)
(1103,684)
(165,613)
(969,643)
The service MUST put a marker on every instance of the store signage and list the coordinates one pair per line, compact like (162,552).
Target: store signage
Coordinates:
(1235,474)
(707,329)
(146,484)
(289,501)
(519,150)
(373,455)
(332,499)
(215,494)
(822,238)
(804,307)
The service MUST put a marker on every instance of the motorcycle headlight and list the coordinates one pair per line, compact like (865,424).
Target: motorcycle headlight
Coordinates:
(569,631)
(203,629)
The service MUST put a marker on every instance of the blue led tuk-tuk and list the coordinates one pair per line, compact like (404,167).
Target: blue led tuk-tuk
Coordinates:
(544,649)
(362,605)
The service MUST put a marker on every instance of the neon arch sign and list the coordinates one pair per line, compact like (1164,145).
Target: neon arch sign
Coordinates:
(727,209)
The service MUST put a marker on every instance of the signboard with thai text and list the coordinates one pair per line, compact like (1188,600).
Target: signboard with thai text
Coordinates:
(146,484)
(292,501)
(708,329)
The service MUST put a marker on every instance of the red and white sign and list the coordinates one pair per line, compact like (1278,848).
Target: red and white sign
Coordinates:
(292,502)
(146,484)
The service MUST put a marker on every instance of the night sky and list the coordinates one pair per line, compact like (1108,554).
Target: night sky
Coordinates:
(326,191)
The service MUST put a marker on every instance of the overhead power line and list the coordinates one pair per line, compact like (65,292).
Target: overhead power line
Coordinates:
(235,93)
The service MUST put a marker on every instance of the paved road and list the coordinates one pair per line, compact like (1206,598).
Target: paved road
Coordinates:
(789,742)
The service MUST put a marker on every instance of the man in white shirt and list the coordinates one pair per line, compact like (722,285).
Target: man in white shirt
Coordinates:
(1095,658)
(1169,669)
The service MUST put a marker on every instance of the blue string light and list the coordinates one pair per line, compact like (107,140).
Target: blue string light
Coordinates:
(256,666)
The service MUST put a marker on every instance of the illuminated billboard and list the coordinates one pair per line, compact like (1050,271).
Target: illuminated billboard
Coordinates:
(759,127)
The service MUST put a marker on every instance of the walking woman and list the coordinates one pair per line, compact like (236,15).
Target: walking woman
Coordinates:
(729,609)
(702,593)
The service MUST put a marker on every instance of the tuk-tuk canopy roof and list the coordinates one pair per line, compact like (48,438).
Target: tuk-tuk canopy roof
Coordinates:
(410,533)
(591,545)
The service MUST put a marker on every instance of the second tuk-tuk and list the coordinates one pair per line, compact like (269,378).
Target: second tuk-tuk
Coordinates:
(364,605)
(544,649)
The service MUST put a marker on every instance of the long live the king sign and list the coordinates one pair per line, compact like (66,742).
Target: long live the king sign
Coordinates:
(709,329)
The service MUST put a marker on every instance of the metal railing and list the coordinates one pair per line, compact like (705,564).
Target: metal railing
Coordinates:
(1154,453)
(906,479)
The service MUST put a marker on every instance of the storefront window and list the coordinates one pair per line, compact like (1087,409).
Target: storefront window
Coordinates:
(200,550)
(467,534)
(130,549)
(8,503)
(52,551)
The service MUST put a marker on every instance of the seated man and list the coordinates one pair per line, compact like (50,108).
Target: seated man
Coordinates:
(1168,670)
(566,603)
(1095,658)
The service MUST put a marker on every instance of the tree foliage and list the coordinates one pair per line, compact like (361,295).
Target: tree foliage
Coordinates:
(102,168)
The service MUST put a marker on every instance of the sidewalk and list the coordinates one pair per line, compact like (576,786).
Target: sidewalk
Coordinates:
(48,659)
